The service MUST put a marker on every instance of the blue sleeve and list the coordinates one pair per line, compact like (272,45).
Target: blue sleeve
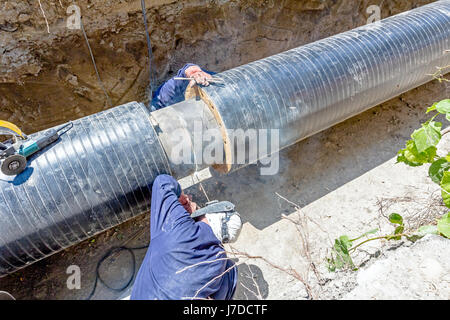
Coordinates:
(166,210)
(172,91)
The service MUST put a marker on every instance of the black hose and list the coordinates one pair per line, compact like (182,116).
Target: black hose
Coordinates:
(106,256)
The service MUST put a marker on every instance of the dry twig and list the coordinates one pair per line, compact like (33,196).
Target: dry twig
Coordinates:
(43,13)
(426,209)
(289,271)
(257,294)
(302,228)
(195,297)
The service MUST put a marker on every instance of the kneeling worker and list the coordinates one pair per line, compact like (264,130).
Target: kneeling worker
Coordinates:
(186,258)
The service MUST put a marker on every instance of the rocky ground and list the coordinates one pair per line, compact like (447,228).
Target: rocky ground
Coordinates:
(343,180)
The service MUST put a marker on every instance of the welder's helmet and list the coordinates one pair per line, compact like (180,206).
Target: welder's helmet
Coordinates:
(225,222)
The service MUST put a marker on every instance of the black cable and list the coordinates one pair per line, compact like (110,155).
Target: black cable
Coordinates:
(107,255)
(149,47)
(102,86)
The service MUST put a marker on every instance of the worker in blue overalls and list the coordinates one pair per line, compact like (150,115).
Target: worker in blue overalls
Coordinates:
(186,258)
(172,91)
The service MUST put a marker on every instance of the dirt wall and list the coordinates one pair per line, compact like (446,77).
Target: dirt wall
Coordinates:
(47,78)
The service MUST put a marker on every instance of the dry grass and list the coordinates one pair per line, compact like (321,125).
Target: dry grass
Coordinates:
(425,209)
(45,17)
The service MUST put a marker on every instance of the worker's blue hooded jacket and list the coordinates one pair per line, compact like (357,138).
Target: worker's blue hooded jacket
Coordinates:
(177,243)
(172,91)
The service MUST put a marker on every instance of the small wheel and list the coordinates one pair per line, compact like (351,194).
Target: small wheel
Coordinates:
(13,165)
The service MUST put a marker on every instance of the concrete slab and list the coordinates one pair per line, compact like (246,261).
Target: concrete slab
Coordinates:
(418,271)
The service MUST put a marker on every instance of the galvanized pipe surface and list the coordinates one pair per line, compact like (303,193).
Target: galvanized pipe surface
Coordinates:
(310,88)
(97,176)
(181,129)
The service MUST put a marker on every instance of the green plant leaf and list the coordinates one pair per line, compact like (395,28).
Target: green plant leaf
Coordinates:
(399,229)
(396,218)
(428,229)
(437,169)
(340,249)
(368,232)
(427,136)
(432,108)
(443,225)
(445,186)
(365,234)
(411,156)
(331,264)
(414,237)
(443,106)
(346,242)
(371,231)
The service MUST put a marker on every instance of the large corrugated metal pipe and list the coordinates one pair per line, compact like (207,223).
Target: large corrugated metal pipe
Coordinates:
(310,88)
(100,172)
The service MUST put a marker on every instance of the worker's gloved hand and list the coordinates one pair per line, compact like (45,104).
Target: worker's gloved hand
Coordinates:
(198,74)
(187,203)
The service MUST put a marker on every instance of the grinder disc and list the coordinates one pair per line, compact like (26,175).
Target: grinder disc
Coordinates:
(13,165)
